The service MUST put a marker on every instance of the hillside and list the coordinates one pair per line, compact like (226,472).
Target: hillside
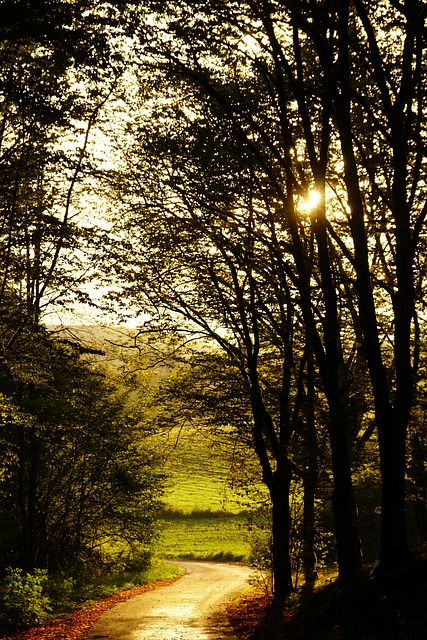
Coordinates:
(203,518)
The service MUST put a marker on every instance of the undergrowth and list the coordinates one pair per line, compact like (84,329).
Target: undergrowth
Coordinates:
(32,598)
(391,606)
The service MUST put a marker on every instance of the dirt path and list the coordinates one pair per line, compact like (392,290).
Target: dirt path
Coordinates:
(193,608)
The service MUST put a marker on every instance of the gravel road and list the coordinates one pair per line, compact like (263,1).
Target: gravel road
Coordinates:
(193,608)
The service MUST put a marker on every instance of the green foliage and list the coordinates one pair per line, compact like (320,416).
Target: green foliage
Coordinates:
(261,559)
(23,598)
(117,556)
(29,598)
(61,592)
(119,581)
(77,474)
(260,556)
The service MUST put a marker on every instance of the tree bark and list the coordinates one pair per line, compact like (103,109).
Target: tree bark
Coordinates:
(308,533)
(279,488)
(33,478)
(349,554)
(392,438)
(419,478)
(278,483)
(26,536)
(392,420)
(310,479)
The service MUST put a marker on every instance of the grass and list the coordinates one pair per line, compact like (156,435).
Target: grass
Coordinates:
(78,621)
(110,584)
(203,519)
(192,492)
(205,536)
(199,474)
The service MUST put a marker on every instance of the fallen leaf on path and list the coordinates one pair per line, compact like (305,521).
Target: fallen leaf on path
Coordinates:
(76,625)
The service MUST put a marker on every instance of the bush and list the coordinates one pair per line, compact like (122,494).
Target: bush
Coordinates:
(61,592)
(23,600)
(137,559)
(261,560)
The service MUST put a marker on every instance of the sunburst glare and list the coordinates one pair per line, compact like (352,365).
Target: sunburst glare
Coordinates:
(311,201)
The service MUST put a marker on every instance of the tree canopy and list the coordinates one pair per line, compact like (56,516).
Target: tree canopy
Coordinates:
(253,107)
(268,197)
(75,474)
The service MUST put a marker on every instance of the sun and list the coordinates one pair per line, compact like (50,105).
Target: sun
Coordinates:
(311,201)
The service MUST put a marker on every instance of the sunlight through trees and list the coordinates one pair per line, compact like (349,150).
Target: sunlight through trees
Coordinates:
(246,181)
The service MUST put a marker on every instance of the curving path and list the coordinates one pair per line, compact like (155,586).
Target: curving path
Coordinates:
(193,608)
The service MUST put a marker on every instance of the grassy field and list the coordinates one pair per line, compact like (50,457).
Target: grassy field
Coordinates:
(205,536)
(203,518)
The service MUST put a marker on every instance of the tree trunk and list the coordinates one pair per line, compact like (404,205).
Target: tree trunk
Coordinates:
(349,554)
(394,545)
(418,476)
(33,477)
(310,478)
(28,473)
(308,533)
(26,537)
(420,512)
(279,488)
(391,421)
(278,482)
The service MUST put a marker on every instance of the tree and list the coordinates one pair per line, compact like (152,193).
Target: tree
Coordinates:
(209,200)
(392,101)
(59,65)
(225,273)
(268,101)
(78,474)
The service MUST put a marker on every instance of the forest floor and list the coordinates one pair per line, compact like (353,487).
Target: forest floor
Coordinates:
(389,607)
(392,607)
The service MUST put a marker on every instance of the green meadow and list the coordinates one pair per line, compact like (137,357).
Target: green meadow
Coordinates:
(202,518)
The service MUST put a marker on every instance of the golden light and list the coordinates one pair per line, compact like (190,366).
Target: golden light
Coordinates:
(311,201)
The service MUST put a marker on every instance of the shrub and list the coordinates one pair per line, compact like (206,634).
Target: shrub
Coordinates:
(260,559)
(23,599)
(61,591)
